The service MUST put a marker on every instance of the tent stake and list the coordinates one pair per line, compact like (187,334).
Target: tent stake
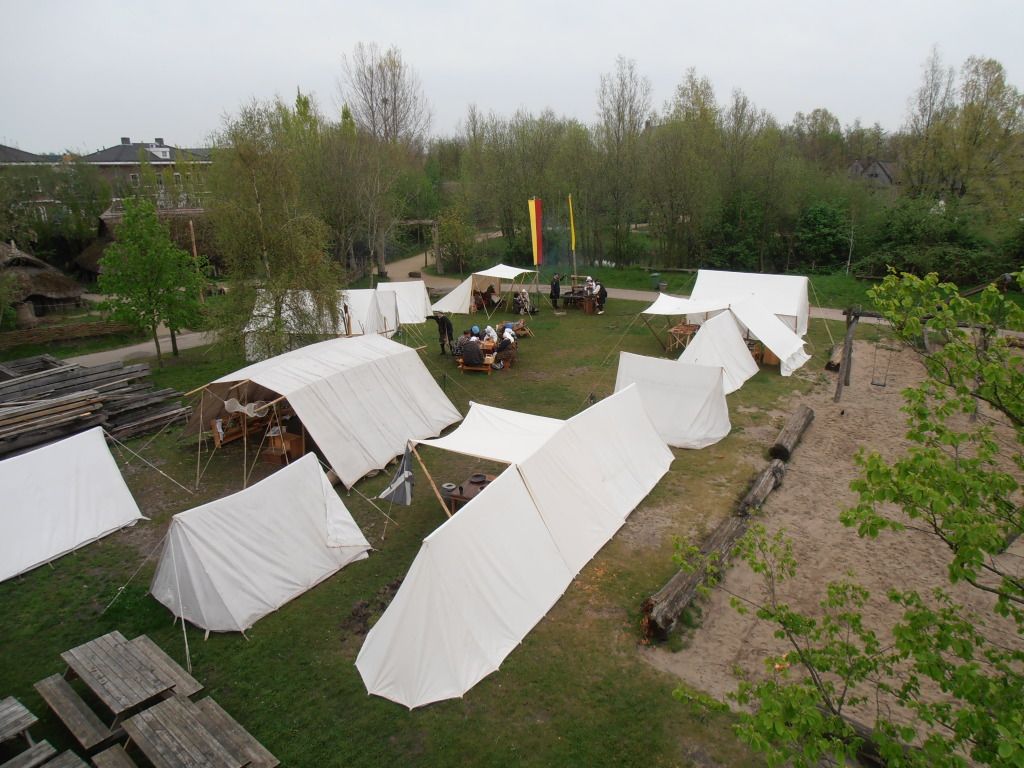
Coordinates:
(423,466)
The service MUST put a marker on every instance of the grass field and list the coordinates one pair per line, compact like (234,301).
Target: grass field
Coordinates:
(576,692)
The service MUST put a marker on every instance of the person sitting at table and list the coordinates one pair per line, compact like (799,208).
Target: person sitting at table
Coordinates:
(460,343)
(490,335)
(504,354)
(602,296)
(508,333)
(522,302)
(471,353)
(588,286)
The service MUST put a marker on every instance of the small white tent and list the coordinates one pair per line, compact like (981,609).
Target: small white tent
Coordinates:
(484,578)
(371,311)
(781,295)
(413,300)
(361,399)
(719,342)
(227,564)
(58,498)
(686,403)
(460,300)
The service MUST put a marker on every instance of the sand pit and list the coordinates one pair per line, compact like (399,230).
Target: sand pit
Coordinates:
(807,505)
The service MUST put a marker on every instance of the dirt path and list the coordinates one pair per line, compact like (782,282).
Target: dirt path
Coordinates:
(807,505)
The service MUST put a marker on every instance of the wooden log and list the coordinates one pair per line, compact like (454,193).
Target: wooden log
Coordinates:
(661,611)
(790,435)
(846,366)
(835,358)
(766,481)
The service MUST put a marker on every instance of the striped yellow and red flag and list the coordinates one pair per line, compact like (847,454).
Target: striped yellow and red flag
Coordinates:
(536,233)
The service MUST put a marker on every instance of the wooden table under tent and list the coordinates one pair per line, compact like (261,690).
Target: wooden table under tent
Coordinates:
(358,399)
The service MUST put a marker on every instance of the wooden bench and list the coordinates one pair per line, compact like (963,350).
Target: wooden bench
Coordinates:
(233,737)
(67,760)
(113,757)
(76,715)
(485,368)
(184,683)
(15,720)
(35,755)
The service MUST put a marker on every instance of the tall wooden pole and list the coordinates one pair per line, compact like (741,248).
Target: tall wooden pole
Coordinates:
(195,260)
(430,480)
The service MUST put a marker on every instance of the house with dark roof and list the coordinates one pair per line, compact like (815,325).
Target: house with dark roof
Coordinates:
(19,157)
(172,175)
(878,174)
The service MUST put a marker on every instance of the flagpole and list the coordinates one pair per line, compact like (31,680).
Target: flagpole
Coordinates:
(572,231)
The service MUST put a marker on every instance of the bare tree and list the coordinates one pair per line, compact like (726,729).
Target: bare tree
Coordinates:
(385,95)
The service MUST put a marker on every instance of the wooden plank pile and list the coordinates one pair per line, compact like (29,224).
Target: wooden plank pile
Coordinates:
(12,369)
(55,402)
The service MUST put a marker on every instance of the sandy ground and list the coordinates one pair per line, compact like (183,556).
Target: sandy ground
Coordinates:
(807,505)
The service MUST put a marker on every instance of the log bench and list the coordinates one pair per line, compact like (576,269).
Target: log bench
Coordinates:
(35,755)
(76,715)
(233,737)
(184,683)
(113,757)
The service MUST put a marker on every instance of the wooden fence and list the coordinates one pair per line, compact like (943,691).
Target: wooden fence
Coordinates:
(67,332)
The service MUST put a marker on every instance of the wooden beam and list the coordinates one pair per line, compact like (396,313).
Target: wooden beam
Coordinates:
(430,480)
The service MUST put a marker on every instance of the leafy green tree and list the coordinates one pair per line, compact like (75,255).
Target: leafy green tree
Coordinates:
(147,279)
(822,234)
(951,671)
(457,239)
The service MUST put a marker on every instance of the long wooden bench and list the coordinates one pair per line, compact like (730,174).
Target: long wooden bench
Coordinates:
(35,755)
(184,683)
(83,723)
(485,368)
(67,760)
(233,737)
(113,757)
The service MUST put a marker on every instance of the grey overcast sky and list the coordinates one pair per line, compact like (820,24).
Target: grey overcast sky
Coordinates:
(79,74)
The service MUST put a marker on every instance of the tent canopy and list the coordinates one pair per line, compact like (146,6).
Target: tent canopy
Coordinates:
(228,563)
(413,300)
(667,304)
(361,399)
(497,434)
(782,295)
(773,333)
(686,403)
(719,342)
(486,576)
(58,498)
(460,299)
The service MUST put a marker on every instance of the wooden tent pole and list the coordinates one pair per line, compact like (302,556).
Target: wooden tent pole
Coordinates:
(430,480)
(199,439)
(648,324)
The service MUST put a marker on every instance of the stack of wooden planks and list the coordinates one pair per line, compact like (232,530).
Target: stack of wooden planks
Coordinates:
(54,402)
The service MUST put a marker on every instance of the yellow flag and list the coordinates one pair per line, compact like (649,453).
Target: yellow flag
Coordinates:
(572,224)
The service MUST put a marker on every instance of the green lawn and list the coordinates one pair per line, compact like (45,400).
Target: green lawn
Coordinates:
(575,693)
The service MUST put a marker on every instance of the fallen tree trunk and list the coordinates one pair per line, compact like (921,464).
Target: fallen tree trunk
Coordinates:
(662,610)
(790,435)
(767,481)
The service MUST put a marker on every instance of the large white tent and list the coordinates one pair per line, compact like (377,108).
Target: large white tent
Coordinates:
(413,300)
(719,342)
(782,295)
(460,300)
(686,403)
(485,577)
(497,434)
(361,399)
(227,564)
(58,498)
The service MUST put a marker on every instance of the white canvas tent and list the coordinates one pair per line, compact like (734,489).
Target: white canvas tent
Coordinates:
(227,564)
(686,403)
(413,300)
(361,399)
(485,577)
(460,300)
(302,321)
(773,333)
(58,498)
(781,295)
(497,434)
(719,342)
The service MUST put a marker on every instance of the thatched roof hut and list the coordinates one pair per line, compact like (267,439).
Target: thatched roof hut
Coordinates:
(35,280)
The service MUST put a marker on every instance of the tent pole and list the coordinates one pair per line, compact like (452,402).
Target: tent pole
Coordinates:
(245,449)
(647,323)
(430,480)
(199,438)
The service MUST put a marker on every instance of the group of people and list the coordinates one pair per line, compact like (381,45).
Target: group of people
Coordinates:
(468,346)
(590,288)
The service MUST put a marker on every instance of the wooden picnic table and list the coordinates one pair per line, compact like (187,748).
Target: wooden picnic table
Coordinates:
(15,720)
(469,489)
(172,734)
(118,672)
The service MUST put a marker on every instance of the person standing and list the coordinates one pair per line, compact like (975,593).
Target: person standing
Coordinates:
(556,290)
(602,296)
(445,331)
